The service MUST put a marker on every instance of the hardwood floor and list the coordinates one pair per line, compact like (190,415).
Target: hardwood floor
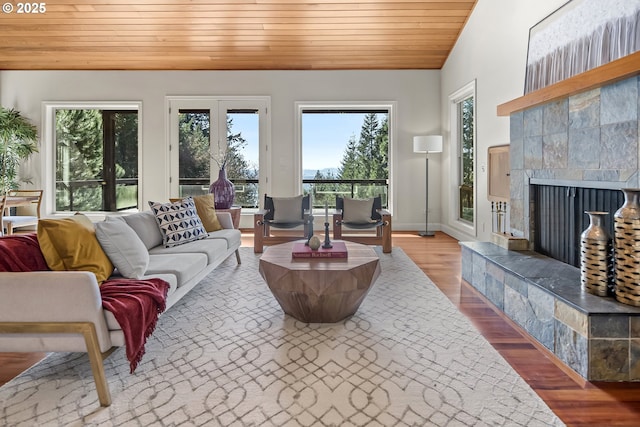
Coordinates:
(575,401)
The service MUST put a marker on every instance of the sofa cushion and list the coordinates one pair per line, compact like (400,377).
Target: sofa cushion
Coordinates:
(123,247)
(146,227)
(71,244)
(184,266)
(205,206)
(178,222)
(231,236)
(214,249)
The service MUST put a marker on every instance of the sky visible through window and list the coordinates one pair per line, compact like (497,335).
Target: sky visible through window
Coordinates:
(324,137)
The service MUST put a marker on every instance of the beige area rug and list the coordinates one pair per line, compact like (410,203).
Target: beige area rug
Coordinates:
(226,355)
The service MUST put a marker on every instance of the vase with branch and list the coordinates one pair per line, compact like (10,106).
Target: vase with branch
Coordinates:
(222,189)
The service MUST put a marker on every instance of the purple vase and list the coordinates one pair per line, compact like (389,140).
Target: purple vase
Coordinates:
(223,191)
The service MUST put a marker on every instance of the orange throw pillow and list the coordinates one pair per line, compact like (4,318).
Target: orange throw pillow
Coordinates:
(70,244)
(206,209)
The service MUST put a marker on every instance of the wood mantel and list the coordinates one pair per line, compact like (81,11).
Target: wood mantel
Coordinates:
(611,72)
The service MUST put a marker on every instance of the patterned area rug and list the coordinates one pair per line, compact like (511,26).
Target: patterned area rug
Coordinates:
(226,355)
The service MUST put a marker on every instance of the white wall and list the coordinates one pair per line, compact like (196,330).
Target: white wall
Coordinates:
(492,49)
(415,91)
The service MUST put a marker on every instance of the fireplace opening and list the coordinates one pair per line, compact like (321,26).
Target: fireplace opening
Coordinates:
(559,217)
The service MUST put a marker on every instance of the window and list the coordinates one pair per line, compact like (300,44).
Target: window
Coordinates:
(345,151)
(466,150)
(202,143)
(463,137)
(96,159)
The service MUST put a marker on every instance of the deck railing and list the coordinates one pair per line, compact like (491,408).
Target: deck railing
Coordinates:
(88,195)
(247,193)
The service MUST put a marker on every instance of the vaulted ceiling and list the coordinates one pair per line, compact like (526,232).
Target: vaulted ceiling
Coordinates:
(229,35)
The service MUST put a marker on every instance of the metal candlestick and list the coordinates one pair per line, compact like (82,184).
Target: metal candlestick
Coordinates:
(327,243)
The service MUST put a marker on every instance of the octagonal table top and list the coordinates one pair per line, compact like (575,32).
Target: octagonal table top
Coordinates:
(319,290)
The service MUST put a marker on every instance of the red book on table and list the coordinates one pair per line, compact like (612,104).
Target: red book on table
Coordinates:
(300,250)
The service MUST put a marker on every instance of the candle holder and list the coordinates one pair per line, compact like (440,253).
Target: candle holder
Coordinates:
(327,243)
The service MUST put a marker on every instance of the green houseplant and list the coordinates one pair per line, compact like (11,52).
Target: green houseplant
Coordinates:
(17,142)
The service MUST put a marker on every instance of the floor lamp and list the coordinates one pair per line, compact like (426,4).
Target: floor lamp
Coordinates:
(427,144)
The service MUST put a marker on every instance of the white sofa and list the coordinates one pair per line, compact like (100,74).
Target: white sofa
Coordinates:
(46,311)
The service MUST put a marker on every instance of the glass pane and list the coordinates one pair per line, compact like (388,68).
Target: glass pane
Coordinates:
(194,159)
(81,181)
(243,140)
(467,151)
(126,159)
(79,160)
(344,145)
(126,144)
(126,196)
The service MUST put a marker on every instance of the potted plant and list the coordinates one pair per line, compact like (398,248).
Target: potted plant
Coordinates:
(17,142)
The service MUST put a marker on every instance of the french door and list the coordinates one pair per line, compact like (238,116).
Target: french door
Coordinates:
(207,133)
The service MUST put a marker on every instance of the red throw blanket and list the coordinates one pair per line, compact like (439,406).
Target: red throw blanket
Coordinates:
(21,252)
(135,304)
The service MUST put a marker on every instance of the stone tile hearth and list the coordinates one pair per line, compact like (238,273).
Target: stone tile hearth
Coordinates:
(597,337)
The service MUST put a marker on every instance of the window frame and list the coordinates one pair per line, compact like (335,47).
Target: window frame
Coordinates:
(455,117)
(389,106)
(48,149)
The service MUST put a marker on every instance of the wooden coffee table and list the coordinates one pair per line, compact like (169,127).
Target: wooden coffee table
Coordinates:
(320,290)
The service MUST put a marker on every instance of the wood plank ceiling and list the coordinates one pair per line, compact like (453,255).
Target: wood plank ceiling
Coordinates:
(230,35)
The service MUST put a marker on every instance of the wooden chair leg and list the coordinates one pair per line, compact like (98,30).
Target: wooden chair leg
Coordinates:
(238,260)
(386,234)
(258,232)
(337,226)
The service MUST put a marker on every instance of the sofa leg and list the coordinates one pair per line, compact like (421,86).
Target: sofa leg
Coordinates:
(238,256)
(88,331)
(97,367)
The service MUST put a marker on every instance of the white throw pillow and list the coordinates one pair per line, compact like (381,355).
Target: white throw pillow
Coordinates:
(357,210)
(287,209)
(123,247)
(145,226)
(179,222)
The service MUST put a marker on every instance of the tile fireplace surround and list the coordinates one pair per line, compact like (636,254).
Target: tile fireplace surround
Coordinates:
(590,140)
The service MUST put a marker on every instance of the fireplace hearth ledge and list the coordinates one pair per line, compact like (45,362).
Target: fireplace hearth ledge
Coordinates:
(597,337)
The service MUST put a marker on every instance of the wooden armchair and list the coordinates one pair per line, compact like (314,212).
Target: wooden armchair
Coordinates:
(285,213)
(363,214)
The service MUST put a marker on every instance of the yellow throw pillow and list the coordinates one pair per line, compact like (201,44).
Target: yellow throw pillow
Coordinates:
(206,209)
(71,244)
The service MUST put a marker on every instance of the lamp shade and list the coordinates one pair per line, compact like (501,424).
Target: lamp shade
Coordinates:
(427,144)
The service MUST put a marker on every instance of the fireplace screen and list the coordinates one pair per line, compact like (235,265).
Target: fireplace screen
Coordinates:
(559,218)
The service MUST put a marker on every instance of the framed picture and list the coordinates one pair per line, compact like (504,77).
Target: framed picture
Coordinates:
(579,36)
